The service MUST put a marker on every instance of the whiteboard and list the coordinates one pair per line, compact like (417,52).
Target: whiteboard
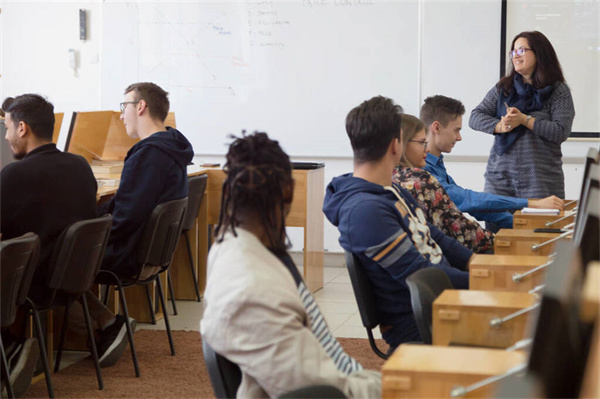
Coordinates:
(291,68)
(572,28)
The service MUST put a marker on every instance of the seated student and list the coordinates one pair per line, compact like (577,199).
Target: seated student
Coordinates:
(258,312)
(43,192)
(382,223)
(443,118)
(155,171)
(430,195)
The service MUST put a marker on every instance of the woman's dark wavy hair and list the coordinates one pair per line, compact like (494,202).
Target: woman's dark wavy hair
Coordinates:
(258,171)
(547,71)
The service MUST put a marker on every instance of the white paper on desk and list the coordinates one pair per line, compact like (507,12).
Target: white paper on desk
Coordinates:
(108,182)
(539,211)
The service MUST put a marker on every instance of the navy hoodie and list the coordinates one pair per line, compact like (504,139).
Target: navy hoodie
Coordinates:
(155,171)
(393,239)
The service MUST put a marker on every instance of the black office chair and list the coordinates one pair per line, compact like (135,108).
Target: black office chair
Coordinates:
(75,262)
(425,285)
(19,260)
(365,299)
(197,186)
(224,375)
(155,249)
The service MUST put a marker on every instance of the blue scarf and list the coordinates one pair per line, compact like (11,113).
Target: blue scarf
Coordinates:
(527,99)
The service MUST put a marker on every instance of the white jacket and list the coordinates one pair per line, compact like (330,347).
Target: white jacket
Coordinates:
(254,317)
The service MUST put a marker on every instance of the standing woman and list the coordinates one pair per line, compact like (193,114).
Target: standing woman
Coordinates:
(429,193)
(530,113)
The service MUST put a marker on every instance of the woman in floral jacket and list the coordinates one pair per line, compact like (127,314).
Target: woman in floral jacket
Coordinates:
(431,196)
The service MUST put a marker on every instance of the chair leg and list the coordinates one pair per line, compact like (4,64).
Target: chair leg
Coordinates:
(164,308)
(88,324)
(61,342)
(5,373)
(150,304)
(105,290)
(40,336)
(171,292)
(192,268)
(129,332)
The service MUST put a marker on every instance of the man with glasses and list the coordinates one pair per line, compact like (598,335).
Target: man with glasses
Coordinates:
(43,192)
(443,119)
(155,171)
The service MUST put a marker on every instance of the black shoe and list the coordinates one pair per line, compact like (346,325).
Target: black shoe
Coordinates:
(113,341)
(24,367)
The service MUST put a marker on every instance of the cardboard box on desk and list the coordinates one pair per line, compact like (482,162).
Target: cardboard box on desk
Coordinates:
(462,317)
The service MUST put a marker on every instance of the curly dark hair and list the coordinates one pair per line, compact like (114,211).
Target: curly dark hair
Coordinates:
(547,71)
(258,173)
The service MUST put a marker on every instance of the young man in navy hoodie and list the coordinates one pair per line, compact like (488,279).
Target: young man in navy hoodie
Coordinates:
(381,222)
(155,171)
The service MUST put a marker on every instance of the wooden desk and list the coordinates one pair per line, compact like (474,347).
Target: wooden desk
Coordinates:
(495,272)
(531,222)
(424,371)
(306,212)
(463,317)
(590,297)
(519,242)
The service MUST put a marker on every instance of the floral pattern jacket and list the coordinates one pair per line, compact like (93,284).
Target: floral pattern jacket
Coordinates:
(441,211)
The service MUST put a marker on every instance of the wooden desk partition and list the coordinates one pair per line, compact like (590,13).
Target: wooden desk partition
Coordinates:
(520,242)
(531,222)
(424,371)
(590,297)
(58,119)
(102,135)
(495,272)
(463,317)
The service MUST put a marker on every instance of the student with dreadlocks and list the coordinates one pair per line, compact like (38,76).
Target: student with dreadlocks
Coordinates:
(258,312)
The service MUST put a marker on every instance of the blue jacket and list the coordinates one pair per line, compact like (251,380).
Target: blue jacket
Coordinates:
(392,242)
(482,206)
(155,171)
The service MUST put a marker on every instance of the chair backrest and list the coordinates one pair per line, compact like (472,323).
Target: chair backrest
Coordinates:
(315,392)
(78,254)
(224,375)
(425,285)
(161,235)
(363,292)
(19,259)
(197,186)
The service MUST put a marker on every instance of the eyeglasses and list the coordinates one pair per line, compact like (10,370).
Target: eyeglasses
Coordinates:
(520,52)
(422,142)
(123,105)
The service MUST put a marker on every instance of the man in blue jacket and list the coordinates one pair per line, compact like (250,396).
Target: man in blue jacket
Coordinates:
(381,222)
(155,171)
(443,118)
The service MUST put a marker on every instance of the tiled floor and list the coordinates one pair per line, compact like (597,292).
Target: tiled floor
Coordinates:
(336,301)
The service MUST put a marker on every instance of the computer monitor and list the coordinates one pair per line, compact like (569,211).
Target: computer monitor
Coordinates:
(592,181)
(70,133)
(592,158)
(561,340)
(587,235)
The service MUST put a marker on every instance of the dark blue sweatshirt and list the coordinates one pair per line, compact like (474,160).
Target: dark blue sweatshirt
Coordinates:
(393,239)
(155,171)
